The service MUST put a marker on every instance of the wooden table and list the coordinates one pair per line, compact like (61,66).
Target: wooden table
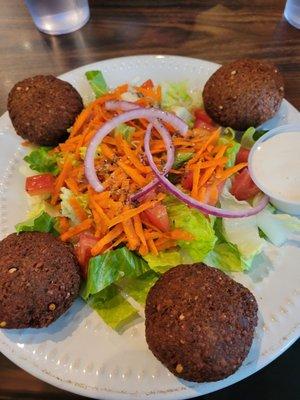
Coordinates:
(219,31)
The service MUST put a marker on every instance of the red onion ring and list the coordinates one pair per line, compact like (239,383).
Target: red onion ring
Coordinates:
(113,105)
(150,114)
(207,209)
(166,137)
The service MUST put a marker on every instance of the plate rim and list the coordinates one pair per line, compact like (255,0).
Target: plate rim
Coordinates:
(183,392)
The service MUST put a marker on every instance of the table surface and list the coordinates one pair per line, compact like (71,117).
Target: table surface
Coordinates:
(218,31)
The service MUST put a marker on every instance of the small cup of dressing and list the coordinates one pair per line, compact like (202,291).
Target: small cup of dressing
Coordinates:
(274,166)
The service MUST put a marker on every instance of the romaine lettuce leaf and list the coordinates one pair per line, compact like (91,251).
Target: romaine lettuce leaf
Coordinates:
(164,260)
(67,209)
(110,267)
(41,222)
(40,160)
(138,287)
(181,159)
(227,257)
(174,95)
(228,137)
(194,222)
(125,131)
(278,228)
(97,82)
(242,232)
(250,136)
(115,311)
(184,114)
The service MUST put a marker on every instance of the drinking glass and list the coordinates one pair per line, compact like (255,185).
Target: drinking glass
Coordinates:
(57,17)
(292,12)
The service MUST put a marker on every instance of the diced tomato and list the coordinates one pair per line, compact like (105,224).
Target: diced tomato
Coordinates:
(149,196)
(201,115)
(158,217)
(83,250)
(243,187)
(242,155)
(187,181)
(148,84)
(39,184)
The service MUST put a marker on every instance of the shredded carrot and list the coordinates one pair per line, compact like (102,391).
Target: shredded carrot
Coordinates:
(205,177)
(109,237)
(63,224)
(133,173)
(133,158)
(60,180)
(75,230)
(72,185)
(78,210)
(152,247)
(178,234)
(164,243)
(230,171)
(132,237)
(139,229)
(135,211)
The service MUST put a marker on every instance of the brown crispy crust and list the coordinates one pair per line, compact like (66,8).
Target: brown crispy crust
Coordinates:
(200,322)
(42,108)
(243,93)
(39,279)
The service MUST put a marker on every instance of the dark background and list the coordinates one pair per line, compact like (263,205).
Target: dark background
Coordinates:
(218,31)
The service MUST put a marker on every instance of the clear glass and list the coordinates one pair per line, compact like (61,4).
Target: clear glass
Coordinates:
(292,12)
(57,17)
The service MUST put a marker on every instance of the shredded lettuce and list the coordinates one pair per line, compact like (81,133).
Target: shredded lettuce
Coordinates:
(228,137)
(250,136)
(115,311)
(41,222)
(97,82)
(197,224)
(243,232)
(42,161)
(189,220)
(174,95)
(138,287)
(164,260)
(184,114)
(110,267)
(67,209)
(278,228)
(181,159)
(125,131)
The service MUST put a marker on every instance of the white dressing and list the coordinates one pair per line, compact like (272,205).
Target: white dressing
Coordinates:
(276,166)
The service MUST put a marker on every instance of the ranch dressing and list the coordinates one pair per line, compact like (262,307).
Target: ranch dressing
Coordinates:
(276,166)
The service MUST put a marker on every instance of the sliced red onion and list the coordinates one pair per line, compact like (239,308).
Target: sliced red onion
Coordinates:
(166,137)
(207,209)
(113,105)
(150,114)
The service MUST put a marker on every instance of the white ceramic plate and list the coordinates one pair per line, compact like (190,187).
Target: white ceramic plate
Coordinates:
(81,354)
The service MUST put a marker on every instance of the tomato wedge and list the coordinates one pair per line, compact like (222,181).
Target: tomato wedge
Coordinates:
(158,217)
(243,187)
(203,120)
(242,155)
(148,84)
(83,250)
(200,114)
(39,184)
(187,181)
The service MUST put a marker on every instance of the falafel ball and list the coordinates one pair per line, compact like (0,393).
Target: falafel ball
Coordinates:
(200,322)
(39,279)
(42,108)
(243,93)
